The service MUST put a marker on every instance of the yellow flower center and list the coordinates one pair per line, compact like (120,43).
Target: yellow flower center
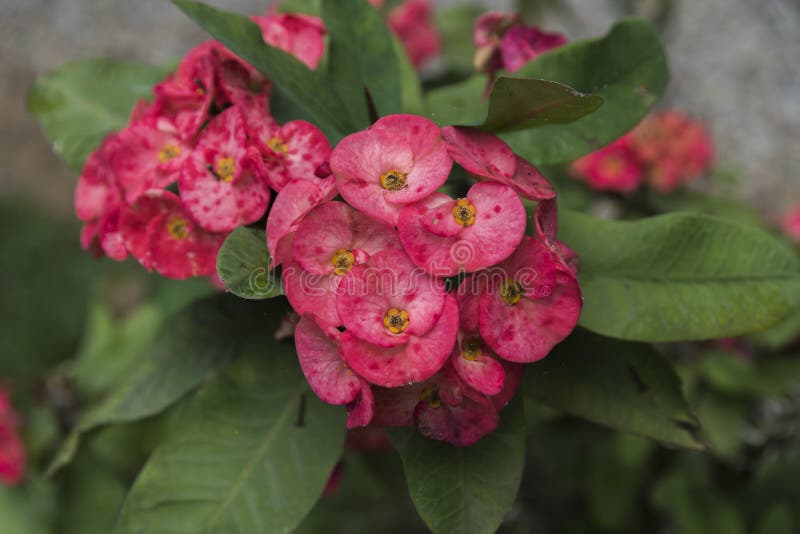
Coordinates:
(612,166)
(393,180)
(510,291)
(343,261)
(431,395)
(471,349)
(396,320)
(277,145)
(178,227)
(464,212)
(225,169)
(169,152)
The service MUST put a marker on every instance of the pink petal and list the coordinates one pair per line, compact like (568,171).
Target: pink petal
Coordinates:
(362,409)
(395,406)
(460,425)
(298,34)
(311,293)
(523,43)
(412,22)
(530,183)
(292,203)
(490,26)
(327,374)
(439,219)
(484,373)
(481,154)
(415,361)
(110,237)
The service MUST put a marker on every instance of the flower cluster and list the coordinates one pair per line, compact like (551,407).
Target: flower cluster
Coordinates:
(383,329)
(502,41)
(12,451)
(201,159)
(666,150)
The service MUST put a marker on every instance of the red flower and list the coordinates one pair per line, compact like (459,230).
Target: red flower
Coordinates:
(219,186)
(300,35)
(161,234)
(612,168)
(12,450)
(412,21)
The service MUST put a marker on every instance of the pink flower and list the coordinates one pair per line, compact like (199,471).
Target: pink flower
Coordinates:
(673,147)
(97,202)
(400,324)
(186,97)
(327,374)
(486,157)
(443,407)
(612,168)
(147,155)
(12,450)
(503,42)
(293,151)
(300,35)
(292,204)
(446,236)
(401,159)
(218,186)
(533,304)
(241,85)
(329,242)
(523,43)
(791,223)
(161,234)
(412,21)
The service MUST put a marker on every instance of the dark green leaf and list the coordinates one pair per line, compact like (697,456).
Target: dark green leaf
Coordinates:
(410,88)
(680,276)
(514,104)
(627,386)
(250,452)
(519,104)
(82,102)
(627,68)
(190,347)
(363,63)
(722,207)
(305,89)
(465,490)
(243,265)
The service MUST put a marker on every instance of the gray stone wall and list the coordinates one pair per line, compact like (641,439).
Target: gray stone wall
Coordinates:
(734,63)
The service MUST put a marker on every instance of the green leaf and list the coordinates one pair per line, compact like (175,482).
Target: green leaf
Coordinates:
(410,87)
(680,276)
(111,348)
(243,265)
(520,104)
(250,452)
(627,68)
(190,348)
(363,63)
(307,90)
(82,102)
(627,386)
(514,104)
(717,206)
(465,490)
(27,509)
